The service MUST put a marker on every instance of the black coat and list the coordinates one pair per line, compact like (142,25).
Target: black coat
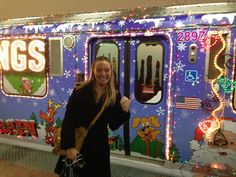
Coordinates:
(80,111)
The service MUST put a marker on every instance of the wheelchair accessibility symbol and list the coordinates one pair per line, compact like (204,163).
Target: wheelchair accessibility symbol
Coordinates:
(191,75)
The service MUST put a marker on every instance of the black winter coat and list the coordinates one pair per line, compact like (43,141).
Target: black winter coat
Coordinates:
(80,111)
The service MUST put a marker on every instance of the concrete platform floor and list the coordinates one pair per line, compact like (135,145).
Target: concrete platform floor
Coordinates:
(16,161)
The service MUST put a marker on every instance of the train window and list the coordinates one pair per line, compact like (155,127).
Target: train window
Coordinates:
(213,46)
(149,68)
(22,75)
(109,50)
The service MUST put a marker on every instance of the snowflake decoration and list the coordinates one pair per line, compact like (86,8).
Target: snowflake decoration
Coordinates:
(184,114)
(165,77)
(172,18)
(181,46)
(67,74)
(179,24)
(52,92)
(160,111)
(132,80)
(69,91)
(122,75)
(134,111)
(178,89)
(35,104)
(18,100)
(196,82)
(62,89)
(227,103)
(211,95)
(132,42)
(107,27)
(179,66)
(121,23)
(64,103)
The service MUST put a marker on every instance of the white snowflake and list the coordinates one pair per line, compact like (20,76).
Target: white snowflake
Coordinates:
(35,104)
(172,18)
(211,95)
(122,75)
(191,18)
(196,82)
(62,89)
(179,66)
(132,42)
(184,114)
(165,76)
(64,103)
(67,73)
(179,24)
(52,92)
(131,80)
(107,27)
(227,103)
(160,111)
(134,111)
(18,100)
(181,46)
(70,91)
(121,23)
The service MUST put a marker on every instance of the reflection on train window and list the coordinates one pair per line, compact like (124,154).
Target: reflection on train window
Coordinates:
(149,69)
(109,50)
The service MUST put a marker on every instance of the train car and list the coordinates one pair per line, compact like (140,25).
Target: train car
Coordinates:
(176,64)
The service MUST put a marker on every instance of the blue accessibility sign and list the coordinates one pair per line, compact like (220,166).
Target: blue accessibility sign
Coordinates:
(191,75)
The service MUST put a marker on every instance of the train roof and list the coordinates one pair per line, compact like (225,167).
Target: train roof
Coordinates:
(95,17)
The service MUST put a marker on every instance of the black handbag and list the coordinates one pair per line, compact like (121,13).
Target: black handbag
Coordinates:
(70,167)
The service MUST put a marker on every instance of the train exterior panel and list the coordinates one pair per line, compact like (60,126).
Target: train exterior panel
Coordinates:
(176,64)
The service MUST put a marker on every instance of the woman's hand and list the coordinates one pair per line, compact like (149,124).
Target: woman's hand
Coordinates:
(71,153)
(125,103)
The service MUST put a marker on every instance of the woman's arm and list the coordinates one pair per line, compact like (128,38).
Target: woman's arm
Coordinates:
(119,113)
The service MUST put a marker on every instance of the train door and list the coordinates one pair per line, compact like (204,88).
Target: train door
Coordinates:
(141,68)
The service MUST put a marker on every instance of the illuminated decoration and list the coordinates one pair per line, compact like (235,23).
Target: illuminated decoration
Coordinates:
(168,132)
(233,73)
(21,52)
(205,42)
(19,56)
(227,85)
(18,127)
(220,108)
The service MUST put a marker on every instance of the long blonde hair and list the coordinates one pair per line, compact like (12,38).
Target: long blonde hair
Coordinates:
(110,90)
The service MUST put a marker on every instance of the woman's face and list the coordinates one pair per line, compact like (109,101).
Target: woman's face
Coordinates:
(102,72)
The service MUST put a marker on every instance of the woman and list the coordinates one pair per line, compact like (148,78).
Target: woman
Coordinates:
(83,105)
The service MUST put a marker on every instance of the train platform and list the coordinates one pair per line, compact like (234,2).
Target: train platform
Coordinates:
(22,158)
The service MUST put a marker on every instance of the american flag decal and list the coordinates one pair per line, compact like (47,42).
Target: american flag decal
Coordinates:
(183,102)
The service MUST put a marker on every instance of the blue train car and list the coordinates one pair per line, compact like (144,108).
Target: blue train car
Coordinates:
(176,64)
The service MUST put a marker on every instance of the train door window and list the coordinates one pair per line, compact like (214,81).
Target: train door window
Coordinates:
(24,70)
(111,51)
(212,46)
(149,69)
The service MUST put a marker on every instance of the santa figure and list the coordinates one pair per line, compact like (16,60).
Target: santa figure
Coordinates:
(214,150)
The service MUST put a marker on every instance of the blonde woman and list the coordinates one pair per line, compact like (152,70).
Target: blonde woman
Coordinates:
(83,105)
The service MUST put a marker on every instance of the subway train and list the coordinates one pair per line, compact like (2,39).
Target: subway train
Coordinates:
(175,63)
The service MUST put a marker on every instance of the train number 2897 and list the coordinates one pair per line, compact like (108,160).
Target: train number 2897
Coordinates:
(190,35)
